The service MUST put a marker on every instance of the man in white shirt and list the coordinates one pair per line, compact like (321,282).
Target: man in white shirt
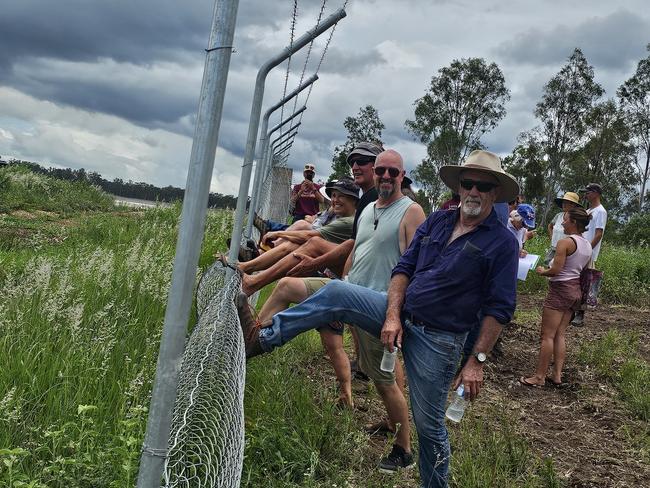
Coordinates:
(594,232)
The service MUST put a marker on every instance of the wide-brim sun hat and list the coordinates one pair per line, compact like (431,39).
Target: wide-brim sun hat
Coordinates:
(569,197)
(485,162)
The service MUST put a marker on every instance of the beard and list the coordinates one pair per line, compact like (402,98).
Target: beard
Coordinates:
(385,193)
(471,211)
(309,176)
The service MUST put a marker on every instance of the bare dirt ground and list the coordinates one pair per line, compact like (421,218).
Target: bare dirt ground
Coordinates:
(582,426)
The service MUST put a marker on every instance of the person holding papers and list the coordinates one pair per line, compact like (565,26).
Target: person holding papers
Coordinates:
(521,220)
(572,254)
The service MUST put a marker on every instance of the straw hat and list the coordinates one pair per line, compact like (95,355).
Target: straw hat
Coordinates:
(482,161)
(569,197)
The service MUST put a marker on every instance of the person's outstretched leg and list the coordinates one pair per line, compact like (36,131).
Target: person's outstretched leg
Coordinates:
(336,302)
(268,258)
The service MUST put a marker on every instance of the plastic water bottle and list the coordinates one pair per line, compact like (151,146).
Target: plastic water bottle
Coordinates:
(388,360)
(457,406)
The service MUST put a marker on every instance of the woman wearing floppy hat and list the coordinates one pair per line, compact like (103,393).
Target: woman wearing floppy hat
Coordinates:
(555,230)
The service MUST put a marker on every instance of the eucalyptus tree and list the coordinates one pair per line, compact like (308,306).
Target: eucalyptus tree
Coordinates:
(634,99)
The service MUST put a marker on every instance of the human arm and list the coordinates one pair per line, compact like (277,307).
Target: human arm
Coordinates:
(563,247)
(413,217)
(391,332)
(550,229)
(598,235)
(332,259)
(471,376)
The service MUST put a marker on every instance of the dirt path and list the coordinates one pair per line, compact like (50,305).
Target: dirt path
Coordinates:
(580,426)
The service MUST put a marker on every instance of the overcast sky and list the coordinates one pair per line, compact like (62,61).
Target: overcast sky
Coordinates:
(113,86)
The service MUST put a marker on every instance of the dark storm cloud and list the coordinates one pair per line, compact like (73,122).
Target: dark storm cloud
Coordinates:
(611,42)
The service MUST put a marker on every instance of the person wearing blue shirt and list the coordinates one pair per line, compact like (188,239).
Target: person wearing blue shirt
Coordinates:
(460,263)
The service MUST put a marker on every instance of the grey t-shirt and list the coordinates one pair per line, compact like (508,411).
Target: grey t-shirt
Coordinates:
(376,250)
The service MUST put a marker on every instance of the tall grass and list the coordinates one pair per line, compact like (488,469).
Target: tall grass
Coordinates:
(23,189)
(80,324)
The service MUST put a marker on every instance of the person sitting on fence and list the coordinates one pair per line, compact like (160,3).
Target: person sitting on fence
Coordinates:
(555,229)
(385,229)
(344,195)
(459,264)
(564,297)
(305,197)
(309,222)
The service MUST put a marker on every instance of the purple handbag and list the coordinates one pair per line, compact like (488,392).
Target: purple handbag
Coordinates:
(590,281)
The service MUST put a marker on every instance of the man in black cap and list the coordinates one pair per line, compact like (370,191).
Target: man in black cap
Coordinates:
(594,232)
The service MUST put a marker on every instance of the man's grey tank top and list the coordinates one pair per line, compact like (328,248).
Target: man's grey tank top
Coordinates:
(376,251)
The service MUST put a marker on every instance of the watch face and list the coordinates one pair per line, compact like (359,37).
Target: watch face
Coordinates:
(481,357)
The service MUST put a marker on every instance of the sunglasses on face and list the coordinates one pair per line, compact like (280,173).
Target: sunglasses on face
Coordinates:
(482,186)
(362,161)
(393,172)
(309,167)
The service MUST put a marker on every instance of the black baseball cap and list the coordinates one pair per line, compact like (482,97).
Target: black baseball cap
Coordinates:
(592,187)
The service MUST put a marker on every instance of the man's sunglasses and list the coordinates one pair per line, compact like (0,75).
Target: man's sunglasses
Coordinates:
(362,161)
(482,186)
(393,172)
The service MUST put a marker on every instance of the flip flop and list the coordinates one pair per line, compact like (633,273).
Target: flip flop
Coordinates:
(523,381)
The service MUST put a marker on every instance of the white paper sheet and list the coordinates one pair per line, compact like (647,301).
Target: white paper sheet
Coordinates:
(526,264)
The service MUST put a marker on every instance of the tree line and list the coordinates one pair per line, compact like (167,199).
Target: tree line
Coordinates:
(128,189)
(580,137)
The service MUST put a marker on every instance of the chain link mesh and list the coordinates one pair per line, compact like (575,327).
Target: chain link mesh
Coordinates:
(207,432)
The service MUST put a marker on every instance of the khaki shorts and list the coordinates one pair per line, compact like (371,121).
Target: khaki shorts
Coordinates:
(371,350)
(315,284)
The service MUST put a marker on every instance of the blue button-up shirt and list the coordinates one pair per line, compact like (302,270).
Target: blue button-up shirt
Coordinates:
(451,283)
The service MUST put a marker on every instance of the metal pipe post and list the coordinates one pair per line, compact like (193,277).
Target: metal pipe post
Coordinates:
(253,126)
(188,244)
(263,145)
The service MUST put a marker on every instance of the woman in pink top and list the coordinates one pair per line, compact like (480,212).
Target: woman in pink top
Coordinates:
(572,254)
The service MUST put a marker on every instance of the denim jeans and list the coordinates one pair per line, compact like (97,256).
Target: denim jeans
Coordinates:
(430,356)
(273,226)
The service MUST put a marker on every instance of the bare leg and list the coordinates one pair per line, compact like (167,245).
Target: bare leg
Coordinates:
(252,283)
(333,343)
(297,225)
(559,348)
(550,323)
(397,410)
(287,291)
(268,258)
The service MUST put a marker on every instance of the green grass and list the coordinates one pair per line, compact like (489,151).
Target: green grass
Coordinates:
(616,358)
(22,189)
(80,324)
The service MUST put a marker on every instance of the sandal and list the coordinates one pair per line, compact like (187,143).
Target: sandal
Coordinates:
(524,382)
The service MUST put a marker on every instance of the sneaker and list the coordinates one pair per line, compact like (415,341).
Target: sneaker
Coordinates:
(249,326)
(397,459)
(578,319)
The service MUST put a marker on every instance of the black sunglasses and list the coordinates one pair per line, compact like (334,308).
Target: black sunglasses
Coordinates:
(361,161)
(482,186)
(393,172)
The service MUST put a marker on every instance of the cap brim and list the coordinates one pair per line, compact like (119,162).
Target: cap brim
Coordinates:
(323,191)
(508,186)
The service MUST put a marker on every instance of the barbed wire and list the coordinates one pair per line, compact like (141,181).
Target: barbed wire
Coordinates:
(292,33)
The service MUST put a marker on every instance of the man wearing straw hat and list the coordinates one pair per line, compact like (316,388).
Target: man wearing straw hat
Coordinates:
(459,264)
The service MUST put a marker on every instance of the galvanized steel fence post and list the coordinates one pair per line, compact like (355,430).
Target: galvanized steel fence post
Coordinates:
(264,141)
(256,109)
(188,245)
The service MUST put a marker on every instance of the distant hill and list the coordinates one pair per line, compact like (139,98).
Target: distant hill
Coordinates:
(119,187)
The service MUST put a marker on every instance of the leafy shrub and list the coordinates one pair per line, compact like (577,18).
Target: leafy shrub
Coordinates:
(636,232)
